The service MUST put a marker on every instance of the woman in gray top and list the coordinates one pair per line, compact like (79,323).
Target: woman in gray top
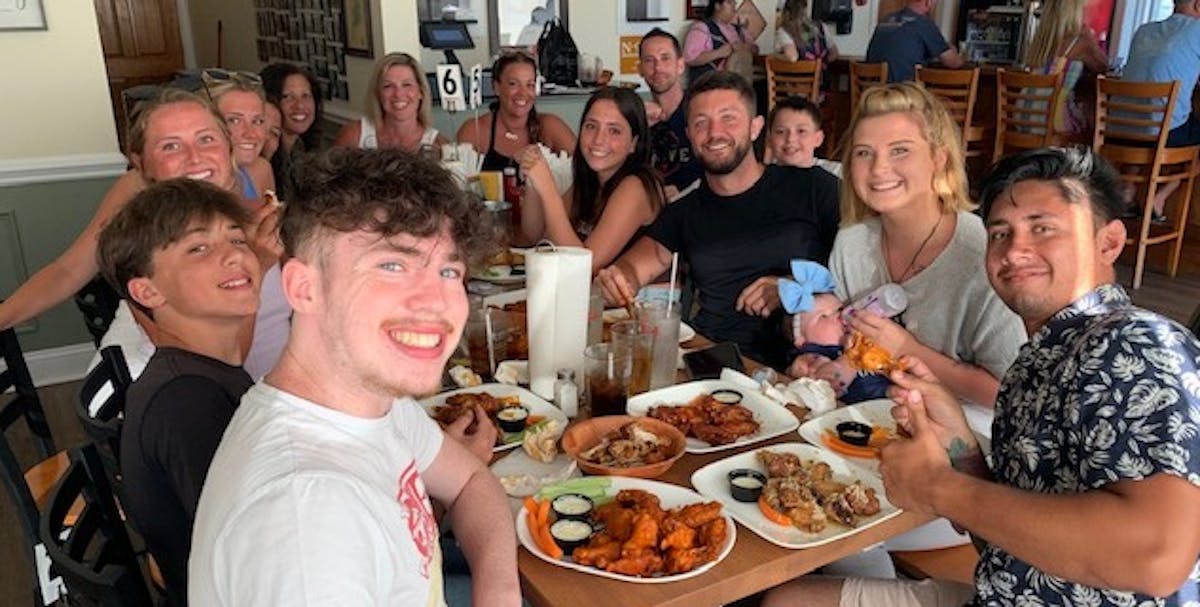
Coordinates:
(907,219)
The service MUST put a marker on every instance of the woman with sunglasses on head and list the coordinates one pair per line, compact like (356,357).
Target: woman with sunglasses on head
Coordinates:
(297,94)
(615,193)
(513,122)
(398,114)
(176,134)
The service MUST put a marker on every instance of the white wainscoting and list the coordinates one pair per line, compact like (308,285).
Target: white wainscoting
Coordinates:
(52,169)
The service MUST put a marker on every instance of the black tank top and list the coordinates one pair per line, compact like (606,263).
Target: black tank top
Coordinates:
(493,160)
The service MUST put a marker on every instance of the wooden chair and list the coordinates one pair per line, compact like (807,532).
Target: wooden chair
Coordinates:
(93,553)
(108,381)
(1025,110)
(956,563)
(957,89)
(1132,123)
(863,76)
(793,78)
(28,484)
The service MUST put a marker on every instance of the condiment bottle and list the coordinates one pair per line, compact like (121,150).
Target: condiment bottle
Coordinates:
(566,393)
(512,193)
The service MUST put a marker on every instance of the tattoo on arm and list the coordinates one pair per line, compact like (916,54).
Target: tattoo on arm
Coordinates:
(967,459)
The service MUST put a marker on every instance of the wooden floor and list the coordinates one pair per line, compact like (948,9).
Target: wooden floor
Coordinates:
(1175,298)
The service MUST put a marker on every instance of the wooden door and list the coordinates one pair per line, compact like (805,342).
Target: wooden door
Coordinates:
(141,46)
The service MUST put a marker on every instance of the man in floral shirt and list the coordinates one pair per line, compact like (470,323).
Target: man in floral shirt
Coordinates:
(1093,493)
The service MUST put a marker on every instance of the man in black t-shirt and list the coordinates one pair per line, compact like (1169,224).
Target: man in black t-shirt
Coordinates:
(178,252)
(660,62)
(739,230)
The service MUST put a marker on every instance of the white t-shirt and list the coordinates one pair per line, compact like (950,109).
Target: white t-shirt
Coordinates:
(304,505)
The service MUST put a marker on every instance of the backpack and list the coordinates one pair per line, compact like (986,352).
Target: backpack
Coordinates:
(558,57)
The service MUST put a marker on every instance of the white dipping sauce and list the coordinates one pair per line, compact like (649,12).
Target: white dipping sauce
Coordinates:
(571,530)
(571,505)
(747,482)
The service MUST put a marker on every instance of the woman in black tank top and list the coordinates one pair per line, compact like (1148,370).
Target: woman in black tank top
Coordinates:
(514,122)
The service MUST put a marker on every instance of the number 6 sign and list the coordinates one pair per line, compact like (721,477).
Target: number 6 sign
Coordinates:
(450,87)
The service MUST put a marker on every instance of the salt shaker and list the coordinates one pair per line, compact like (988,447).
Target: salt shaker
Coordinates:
(566,393)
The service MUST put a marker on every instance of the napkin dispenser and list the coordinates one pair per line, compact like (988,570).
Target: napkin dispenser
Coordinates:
(557,313)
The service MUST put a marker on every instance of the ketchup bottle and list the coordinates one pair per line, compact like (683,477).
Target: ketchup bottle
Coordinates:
(512,193)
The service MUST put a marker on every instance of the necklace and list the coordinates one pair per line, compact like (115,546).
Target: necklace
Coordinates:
(912,264)
(508,134)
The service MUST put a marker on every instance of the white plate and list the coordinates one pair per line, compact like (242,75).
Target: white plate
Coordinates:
(670,496)
(713,482)
(773,419)
(611,315)
(876,412)
(521,475)
(533,402)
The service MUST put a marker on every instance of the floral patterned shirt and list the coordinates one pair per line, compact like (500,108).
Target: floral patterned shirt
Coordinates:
(1104,392)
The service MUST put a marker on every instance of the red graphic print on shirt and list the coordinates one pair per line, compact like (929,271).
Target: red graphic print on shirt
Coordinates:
(421,524)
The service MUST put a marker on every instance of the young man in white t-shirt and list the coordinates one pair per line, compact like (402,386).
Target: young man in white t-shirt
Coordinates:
(320,491)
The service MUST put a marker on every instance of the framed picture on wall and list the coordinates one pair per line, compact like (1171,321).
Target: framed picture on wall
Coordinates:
(646,10)
(357,19)
(22,15)
(695,8)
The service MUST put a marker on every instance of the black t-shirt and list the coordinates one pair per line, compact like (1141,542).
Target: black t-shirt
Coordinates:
(175,415)
(729,242)
(671,151)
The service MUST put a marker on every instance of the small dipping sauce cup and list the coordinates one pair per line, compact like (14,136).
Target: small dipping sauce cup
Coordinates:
(512,419)
(746,485)
(854,433)
(572,506)
(726,396)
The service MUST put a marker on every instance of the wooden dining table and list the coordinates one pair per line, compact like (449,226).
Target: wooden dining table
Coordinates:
(752,566)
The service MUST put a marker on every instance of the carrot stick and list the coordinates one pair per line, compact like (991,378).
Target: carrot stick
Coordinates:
(771,513)
(544,513)
(547,543)
(840,446)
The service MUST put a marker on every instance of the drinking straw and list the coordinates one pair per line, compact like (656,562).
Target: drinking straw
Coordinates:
(671,289)
(610,364)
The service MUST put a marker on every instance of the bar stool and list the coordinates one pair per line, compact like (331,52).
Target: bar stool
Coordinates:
(1133,120)
(957,89)
(793,78)
(1025,110)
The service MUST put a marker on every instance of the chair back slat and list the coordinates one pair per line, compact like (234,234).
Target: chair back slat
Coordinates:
(1026,105)
(1137,113)
(103,421)
(793,78)
(91,548)
(22,408)
(863,76)
(957,89)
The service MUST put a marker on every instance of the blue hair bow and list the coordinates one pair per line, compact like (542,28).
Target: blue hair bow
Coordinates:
(808,278)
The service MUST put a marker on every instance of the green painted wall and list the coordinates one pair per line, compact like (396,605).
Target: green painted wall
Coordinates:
(37,222)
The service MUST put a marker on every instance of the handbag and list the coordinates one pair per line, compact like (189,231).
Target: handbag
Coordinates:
(558,57)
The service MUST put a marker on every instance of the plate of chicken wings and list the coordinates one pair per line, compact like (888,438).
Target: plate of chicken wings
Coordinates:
(448,406)
(649,532)
(812,496)
(715,414)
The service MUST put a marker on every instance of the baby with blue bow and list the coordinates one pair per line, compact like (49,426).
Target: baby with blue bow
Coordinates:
(819,334)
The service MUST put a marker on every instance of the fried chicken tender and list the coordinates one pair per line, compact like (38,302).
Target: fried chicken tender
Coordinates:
(676,535)
(599,552)
(617,521)
(642,564)
(644,536)
(695,515)
(713,533)
(682,560)
(709,420)
(866,355)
